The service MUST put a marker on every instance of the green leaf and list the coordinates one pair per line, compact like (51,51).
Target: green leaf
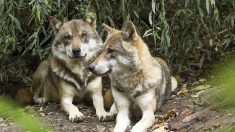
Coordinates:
(16,22)
(154,6)
(208,6)
(150,18)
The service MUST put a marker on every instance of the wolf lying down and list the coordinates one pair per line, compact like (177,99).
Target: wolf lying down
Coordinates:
(66,75)
(136,77)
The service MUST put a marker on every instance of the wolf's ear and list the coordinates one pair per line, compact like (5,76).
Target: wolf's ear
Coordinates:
(91,19)
(130,31)
(109,29)
(55,23)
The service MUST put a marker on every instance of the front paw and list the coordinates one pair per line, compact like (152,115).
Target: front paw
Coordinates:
(41,100)
(137,129)
(76,116)
(105,116)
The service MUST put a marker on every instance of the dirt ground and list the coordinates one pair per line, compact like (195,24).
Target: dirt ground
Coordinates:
(180,113)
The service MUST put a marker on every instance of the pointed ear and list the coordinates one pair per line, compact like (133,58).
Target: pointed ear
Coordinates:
(130,31)
(109,29)
(91,19)
(55,23)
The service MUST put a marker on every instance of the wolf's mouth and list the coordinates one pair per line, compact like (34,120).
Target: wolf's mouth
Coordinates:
(106,73)
(77,56)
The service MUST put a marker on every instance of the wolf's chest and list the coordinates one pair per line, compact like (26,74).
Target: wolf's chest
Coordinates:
(131,86)
(81,76)
(77,76)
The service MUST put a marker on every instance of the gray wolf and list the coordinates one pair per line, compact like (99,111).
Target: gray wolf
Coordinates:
(136,77)
(65,76)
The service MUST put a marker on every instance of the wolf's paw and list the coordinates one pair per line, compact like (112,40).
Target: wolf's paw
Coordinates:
(76,116)
(105,116)
(41,100)
(138,128)
(135,129)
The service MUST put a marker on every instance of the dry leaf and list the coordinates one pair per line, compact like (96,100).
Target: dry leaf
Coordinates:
(183,90)
(161,129)
(168,116)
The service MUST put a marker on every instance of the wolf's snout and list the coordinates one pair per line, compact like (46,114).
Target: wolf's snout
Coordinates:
(91,67)
(76,51)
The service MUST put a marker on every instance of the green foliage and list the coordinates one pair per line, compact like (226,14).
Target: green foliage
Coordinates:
(193,33)
(25,121)
(224,80)
(188,34)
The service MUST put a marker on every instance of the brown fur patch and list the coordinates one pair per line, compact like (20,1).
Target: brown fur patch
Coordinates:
(100,58)
(138,43)
(76,43)
(24,96)
(108,99)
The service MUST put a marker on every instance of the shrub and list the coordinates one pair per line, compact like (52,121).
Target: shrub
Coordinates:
(188,34)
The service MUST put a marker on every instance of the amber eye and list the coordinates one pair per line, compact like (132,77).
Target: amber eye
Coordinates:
(67,36)
(83,35)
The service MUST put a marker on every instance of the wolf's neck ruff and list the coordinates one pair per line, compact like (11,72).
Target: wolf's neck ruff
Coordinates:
(61,69)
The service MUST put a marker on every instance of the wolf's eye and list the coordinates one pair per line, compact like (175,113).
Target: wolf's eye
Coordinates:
(83,35)
(67,36)
(110,51)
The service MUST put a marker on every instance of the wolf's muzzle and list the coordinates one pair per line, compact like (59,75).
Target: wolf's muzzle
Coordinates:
(76,51)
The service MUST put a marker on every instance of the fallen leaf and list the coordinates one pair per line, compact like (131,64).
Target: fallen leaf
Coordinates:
(161,129)
(168,116)
(183,90)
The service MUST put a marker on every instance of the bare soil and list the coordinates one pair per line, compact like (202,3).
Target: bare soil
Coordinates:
(179,113)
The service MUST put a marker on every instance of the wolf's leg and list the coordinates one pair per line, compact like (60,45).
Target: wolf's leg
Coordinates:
(95,89)
(147,103)
(67,93)
(72,110)
(123,105)
(37,88)
(38,83)
(113,109)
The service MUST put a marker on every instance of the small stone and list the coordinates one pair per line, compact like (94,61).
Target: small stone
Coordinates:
(42,114)
(202,80)
(41,109)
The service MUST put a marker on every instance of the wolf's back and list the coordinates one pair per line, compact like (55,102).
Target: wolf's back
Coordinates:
(166,82)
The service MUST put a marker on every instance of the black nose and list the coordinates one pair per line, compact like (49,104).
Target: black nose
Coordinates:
(91,67)
(76,51)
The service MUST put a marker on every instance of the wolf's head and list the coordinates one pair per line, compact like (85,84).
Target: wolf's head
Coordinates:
(75,39)
(122,50)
